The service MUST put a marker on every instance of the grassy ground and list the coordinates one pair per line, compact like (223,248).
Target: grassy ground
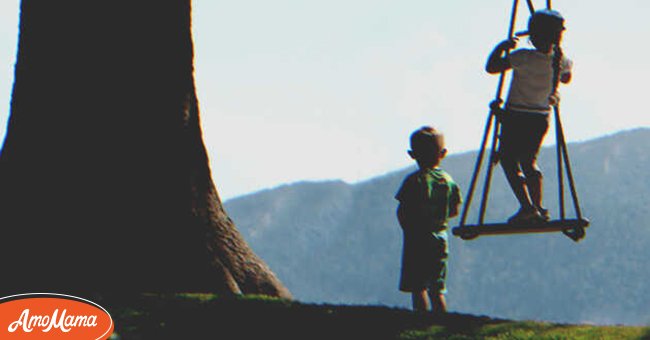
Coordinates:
(206,316)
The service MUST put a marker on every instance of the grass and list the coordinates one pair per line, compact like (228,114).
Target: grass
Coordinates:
(208,316)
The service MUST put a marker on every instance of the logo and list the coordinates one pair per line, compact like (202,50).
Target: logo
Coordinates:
(53,316)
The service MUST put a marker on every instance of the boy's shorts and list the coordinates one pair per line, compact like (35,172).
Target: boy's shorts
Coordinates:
(521,135)
(424,263)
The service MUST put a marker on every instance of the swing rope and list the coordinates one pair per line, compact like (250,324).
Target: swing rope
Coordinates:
(572,228)
(531,8)
(497,123)
(561,149)
(494,107)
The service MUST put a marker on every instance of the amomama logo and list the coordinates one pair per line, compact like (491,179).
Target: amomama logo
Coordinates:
(53,316)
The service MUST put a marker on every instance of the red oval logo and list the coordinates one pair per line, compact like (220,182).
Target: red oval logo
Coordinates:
(53,316)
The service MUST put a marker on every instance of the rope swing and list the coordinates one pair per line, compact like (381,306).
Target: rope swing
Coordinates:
(574,228)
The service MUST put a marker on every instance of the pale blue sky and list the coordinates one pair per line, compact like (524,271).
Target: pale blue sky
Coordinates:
(331,89)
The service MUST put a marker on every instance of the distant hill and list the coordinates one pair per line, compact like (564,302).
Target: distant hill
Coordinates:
(340,243)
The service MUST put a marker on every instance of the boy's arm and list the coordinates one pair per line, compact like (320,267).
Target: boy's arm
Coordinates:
(453,212)
(565,78)
(401,216)
(497,61)
(409,219)
(565,75)
(456,201)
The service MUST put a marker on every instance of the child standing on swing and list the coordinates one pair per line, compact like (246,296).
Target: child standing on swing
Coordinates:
(536,74)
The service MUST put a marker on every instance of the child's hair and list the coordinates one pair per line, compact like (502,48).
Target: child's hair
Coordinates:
(427,140)
(545,28)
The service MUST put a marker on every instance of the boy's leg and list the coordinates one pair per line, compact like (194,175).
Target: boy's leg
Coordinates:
(524,191)
(534,180)
(538,126)
(510,150)
(516,181)
(437,289)
(438,303)
(419,298)
(535,189)
(538,129)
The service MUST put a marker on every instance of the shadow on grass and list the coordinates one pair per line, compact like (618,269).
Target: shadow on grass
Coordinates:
(195,316)
(206,316)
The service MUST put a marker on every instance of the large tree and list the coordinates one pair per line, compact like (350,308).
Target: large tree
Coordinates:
(104,177)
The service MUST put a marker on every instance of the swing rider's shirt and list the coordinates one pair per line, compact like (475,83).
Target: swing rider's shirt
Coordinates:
(532,80)
(427,197)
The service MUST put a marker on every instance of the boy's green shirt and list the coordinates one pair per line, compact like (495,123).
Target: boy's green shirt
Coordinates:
(429,195)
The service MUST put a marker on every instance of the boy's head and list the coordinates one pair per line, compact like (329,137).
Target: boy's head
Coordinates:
(427,146)
(545,27)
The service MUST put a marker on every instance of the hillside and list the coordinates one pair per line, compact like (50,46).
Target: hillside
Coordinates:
(340,243)
(206,316)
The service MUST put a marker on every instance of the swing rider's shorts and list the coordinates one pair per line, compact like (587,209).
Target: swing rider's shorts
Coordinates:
(522,134)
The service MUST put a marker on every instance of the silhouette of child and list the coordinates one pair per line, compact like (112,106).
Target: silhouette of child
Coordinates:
(427,198)
(536,73)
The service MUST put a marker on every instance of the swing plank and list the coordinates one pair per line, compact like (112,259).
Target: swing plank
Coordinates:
(472,231)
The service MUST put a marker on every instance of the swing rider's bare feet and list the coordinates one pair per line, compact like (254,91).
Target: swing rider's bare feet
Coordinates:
(526,216)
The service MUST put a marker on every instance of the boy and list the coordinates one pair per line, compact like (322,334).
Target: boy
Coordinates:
(427,198)
(533,91)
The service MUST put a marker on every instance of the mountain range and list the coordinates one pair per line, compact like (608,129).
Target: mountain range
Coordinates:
(335,242)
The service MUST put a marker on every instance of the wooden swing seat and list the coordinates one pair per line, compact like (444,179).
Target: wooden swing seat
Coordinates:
(468,232)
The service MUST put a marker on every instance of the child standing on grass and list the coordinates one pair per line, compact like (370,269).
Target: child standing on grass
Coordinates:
(427,198)
(536,74)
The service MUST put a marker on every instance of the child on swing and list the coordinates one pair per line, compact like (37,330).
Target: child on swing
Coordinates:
(536,73)
(427,198)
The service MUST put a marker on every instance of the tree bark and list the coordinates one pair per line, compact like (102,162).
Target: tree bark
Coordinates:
(104,177)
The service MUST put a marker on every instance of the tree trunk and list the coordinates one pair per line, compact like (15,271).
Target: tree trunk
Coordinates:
(104,177)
